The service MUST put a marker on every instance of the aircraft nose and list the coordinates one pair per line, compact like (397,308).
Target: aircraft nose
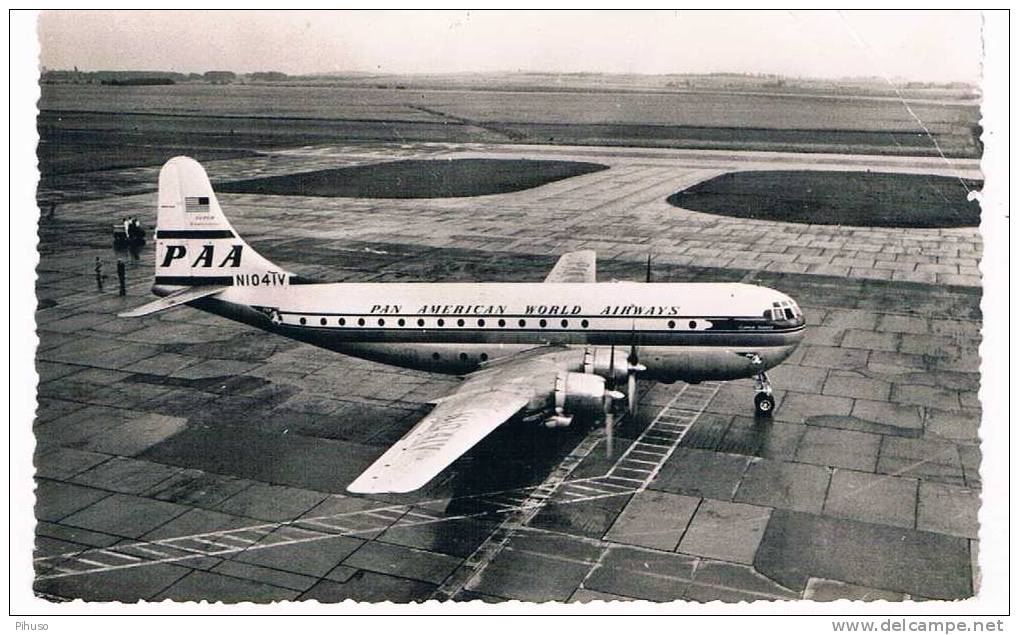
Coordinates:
(799,322)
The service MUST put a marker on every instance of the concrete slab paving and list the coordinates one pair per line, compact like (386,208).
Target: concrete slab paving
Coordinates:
(366,586)
(125,515)
(839,448)
(642,574)
(699,473)
(872,498)
(136,436)
(122,585)
(127,476)
(199,489)
(792,486)
(84,538)
(913,562)
(313,558)
(821,590)
(269,576)
(730,532)
(926,458)
(948,509)
(457,537)
(62,463)
(192,398)
(271,502)
(583,596)
(653,519)
(214,587)
(56,500)
(403,562)
(529,576)
(733,583)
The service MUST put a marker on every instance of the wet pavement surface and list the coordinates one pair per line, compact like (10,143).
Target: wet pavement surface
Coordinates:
(182,456)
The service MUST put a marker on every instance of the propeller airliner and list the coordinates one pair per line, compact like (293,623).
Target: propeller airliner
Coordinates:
(551,352)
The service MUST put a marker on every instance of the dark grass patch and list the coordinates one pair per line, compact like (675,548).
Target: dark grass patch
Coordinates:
(75,159)
(868,199)
(417,179)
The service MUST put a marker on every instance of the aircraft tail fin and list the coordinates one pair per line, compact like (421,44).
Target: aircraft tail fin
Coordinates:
(195,243)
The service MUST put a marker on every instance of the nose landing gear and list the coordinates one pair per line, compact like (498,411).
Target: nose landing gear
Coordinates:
(764,401)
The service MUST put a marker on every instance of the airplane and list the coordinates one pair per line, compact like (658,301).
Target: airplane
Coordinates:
(552,352)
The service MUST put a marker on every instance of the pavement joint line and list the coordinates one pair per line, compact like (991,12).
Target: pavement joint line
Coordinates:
(195,553)
(493,545)
(448,590)
(544,554)
(611,546)
(528,510)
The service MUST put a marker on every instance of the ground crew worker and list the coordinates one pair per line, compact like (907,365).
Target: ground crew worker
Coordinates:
(121,277)
(99,273)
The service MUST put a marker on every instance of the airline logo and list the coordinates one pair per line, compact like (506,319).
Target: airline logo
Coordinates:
(205,258)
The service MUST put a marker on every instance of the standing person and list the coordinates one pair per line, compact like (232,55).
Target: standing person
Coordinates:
(99,274)
(121,277)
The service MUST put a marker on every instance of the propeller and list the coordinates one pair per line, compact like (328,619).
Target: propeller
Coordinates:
(611,396)
(633,366)
(610,422)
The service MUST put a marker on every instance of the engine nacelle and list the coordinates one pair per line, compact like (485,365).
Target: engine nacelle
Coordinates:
(599,360)
(579,393)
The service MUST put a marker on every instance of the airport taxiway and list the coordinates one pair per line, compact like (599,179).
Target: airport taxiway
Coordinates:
(181,456)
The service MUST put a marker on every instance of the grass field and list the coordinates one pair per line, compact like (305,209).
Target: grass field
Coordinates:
(868,199)
(151,123)
(417,179)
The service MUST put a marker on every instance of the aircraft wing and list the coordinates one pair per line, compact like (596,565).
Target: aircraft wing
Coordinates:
(575,266)
(176,298)
(485,400)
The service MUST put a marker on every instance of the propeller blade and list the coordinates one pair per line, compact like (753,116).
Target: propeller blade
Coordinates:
(610,422)
(612,368)
(609,405)
(631,392)
(633,367)
(647,277)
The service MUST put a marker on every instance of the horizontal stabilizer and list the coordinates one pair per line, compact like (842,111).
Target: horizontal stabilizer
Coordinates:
(575,266)
(174,299)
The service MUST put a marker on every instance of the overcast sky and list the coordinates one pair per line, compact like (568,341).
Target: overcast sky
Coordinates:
(927,46)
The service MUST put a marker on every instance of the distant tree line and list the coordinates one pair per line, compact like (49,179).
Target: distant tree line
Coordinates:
(154,78)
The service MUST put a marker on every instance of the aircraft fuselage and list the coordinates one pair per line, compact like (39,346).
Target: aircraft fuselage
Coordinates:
(685,331)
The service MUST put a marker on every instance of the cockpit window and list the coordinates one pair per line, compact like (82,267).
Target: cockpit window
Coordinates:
(782,311)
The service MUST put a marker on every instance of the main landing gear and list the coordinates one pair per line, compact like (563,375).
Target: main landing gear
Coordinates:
(764,402)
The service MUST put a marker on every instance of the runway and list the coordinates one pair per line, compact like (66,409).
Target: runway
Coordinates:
(181,456)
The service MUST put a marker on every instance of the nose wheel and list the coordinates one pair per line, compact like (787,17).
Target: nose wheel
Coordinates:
(764,401)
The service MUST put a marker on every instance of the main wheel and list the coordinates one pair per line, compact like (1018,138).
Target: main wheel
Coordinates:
(764,404)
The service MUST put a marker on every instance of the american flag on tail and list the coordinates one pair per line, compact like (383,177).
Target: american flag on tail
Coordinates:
(196,204)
